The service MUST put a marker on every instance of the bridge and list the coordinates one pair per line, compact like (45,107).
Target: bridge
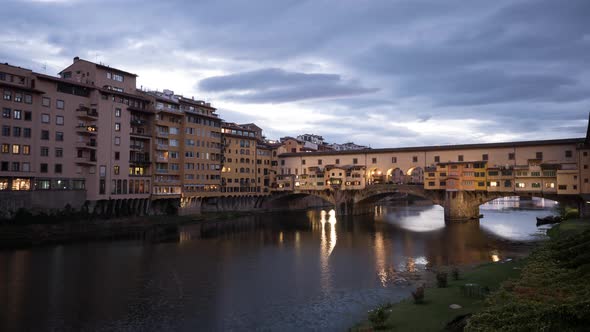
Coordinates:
(458,205)
(458,177)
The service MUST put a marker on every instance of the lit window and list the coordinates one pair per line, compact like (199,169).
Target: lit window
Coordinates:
(520,185)
(15,149)
(117,126)
(17,114)
(117,112)
(26,149)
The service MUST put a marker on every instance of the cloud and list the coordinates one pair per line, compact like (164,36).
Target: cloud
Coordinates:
(381,73)
(275,85)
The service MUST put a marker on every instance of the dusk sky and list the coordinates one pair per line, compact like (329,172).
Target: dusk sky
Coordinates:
(379,73)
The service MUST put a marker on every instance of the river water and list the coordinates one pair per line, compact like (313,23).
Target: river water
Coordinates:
(291,271)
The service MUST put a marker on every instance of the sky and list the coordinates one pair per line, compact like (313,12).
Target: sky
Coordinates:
(386,73)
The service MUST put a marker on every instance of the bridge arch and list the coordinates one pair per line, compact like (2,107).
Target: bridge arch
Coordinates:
(395,175)
(415,175)
(375,176)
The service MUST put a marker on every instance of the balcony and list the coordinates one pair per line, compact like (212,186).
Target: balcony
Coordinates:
(84,112)
(161,134)
(162,146)
(86,160)
(140,132)
(87,129)
(86,145)
(137,122)
(162,159)
(161,171)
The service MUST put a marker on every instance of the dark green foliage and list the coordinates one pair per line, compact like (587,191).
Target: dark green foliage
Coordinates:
(553,293)
(455,273)
(378,316)
(441,279)
(418,295)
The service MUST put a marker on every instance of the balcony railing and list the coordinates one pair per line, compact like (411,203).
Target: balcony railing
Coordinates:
(89,129)
(86,145)
(85,112)
(137,122)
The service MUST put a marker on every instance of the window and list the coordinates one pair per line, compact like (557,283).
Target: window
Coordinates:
(117,112)
(415,159)
(15,149)
(16,131)
(437,159)
(303,162)
(59,152)
(539,155)
(355,161)
(59,136)
(6,113)
(18,97)
(374,160)
(319,161)
(116,169)
(5,130)
(59,104)
(28,99)
(57,168)
(26,167)
(43,168)
(511,156)
(59,120)
(536,185)
(28,116)
(15,167)
(117,140)
(7,95)
(45,118)
(18,115)
(44,151)
(484,156)
(520,185)
(26,149)
(46,101)
(562,187)
(393,160)
(460,157)
(117,155)
(568,153)
(117,126)
(27,132)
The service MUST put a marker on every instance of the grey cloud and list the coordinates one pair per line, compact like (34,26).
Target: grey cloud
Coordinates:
(275,85)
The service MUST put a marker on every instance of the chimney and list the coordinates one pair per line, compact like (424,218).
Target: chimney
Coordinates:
(76,58)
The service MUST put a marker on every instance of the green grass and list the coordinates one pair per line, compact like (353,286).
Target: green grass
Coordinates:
(434,313)
(569,227)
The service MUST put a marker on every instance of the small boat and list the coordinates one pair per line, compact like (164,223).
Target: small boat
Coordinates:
(548,220)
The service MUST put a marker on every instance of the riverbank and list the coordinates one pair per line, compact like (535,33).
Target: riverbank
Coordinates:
(147,228)
(547,290)
(434,312)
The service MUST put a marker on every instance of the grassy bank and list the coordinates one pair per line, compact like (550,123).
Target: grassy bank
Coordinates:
(547,291)
(552,293)
(434,313)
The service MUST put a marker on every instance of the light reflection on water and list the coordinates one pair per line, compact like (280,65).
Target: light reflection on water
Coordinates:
(291,272)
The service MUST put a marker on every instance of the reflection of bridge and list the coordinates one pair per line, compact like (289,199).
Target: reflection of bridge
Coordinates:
(458,205)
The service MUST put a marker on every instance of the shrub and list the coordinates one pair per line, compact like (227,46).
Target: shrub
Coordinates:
(455,273)
(377,317)
(418,295)
(441,279)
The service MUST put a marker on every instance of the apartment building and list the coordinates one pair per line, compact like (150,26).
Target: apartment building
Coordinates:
(91,130)
(238,174)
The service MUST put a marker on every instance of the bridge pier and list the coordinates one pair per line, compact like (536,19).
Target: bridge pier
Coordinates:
(461,205)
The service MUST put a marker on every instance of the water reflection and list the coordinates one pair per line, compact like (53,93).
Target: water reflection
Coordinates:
(263,273)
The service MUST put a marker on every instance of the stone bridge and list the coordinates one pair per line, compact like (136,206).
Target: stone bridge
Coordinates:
(458,205)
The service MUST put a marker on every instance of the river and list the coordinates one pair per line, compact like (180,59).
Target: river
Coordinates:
(291,271)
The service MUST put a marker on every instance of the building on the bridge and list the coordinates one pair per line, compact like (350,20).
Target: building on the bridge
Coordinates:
(535,167)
